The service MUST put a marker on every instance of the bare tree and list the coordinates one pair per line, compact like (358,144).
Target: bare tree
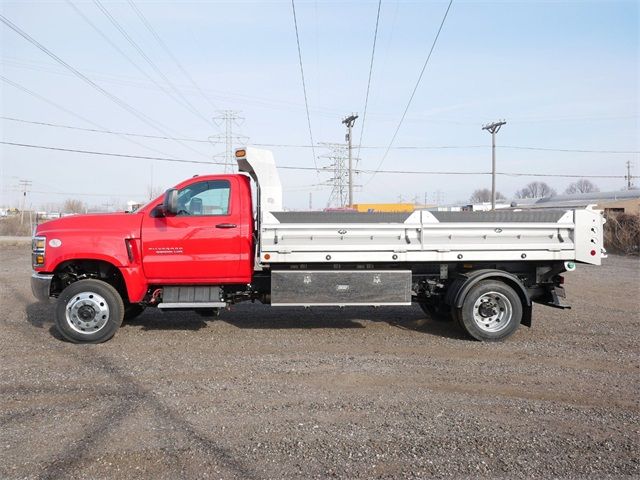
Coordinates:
(536,190)
(74,206)
(582,186)
(483,195)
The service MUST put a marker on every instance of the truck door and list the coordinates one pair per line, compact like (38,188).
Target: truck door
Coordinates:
(201,244)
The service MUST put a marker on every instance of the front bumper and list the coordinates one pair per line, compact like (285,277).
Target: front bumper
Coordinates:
(41,286)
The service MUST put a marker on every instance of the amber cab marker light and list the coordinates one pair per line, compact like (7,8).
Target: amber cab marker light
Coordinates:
(241,153)
(267,256)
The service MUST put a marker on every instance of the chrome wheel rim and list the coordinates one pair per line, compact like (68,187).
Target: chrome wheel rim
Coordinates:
(87,313)
(492,312)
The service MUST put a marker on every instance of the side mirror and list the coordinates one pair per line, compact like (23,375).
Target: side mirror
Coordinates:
(170,203)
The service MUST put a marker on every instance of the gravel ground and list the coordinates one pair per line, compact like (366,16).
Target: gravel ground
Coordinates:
(353,393)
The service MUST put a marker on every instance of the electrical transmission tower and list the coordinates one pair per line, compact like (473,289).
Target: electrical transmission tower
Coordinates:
(337,157)
(24,187)
(438,197)
(227,120)
(628,177)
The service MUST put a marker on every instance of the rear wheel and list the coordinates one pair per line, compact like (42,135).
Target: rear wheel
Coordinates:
(89,311)
(491,311)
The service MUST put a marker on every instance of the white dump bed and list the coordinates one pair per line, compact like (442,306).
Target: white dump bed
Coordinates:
(421,236)
(424,236)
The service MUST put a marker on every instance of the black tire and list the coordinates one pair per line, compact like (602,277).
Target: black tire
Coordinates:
(89,311)
(436,312)
(132,310)
(491,311)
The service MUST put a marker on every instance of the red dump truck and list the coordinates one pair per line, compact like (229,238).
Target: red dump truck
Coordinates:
(210,242)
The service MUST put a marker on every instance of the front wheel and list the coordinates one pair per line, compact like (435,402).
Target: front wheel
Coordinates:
(89,311)
(491,311)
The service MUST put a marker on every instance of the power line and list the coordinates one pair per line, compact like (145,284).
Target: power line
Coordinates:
(76,72)
(571,150)
(290,167)
(94,130)
(108,154)
(304,86)
(187,104)
(127,57)
(198,140)
(281,145)
(164,46)
(121,103)
(415,88)
(139,83)
(366,98)
(73,114)
(121,195)
(270,103)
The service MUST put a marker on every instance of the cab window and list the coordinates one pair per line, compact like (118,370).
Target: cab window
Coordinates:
(205,198)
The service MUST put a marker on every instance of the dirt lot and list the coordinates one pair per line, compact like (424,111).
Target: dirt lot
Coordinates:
(354,393)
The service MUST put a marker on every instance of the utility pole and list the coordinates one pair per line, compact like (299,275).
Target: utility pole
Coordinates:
(349,122)
(227,119)
(628,176)
(24,186)
(493,128)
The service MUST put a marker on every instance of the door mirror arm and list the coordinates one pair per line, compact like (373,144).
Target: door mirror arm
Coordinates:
(158,211)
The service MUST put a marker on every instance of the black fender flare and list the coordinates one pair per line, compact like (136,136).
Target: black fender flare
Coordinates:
(461,285)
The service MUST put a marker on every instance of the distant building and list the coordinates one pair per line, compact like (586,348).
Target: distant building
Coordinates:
(626,201)
(469,207)
(133,205)
(482,207)
(385,207)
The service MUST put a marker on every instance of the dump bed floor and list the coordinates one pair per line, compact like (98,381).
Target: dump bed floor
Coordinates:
(340,217)
(505,216)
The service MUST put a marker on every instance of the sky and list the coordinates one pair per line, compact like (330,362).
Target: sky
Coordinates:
(563,74)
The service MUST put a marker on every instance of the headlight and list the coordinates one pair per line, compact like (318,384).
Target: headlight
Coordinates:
(38,247)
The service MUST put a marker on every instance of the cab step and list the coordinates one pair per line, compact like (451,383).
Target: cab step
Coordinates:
(192,296)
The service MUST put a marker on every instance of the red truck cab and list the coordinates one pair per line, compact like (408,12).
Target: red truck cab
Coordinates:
(208,239)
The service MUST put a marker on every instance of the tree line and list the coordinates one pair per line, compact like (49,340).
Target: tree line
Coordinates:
(536,190)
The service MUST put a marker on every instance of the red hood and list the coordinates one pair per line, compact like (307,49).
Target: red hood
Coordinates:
(98,237)
(126,225)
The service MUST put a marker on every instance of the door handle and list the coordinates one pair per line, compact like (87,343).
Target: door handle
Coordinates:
(226,225)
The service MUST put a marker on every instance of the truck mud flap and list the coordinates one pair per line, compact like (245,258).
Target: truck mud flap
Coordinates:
(553,298)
